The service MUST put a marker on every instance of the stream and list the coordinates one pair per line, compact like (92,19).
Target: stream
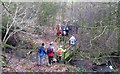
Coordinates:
(86,65)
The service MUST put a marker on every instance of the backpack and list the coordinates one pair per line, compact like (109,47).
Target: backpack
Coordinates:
(49,50)
(59,31)
(72,42)
(63,28)
(59,52)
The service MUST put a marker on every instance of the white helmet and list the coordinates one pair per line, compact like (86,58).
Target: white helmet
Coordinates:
(51,42)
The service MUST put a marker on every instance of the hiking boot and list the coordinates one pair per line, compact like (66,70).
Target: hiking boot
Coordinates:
(38,64)
(48,64)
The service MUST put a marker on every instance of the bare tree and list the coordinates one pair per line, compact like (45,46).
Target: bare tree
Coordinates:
(20,16)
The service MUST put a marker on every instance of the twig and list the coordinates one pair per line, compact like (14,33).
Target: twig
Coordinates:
(3,4)
(107,57)
(110,36)
(6,45)
(97,36)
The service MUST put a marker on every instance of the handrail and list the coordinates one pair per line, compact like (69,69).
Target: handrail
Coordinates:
(70,50)
(67,50)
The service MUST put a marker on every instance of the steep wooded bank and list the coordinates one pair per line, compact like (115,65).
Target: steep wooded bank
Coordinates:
(96,26)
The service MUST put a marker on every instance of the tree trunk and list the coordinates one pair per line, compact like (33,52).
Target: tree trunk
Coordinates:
(118,24)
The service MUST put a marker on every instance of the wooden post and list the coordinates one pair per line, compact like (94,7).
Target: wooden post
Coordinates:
(64,58)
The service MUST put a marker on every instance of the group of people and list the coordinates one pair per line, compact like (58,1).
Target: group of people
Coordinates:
(51,52)
(62,29)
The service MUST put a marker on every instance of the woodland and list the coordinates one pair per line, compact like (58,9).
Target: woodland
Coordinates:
(25,25)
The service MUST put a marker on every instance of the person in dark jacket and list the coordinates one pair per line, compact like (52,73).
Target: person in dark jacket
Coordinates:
(50,53)
(67,30)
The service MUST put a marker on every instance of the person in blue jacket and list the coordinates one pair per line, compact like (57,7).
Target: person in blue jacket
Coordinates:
(41,54)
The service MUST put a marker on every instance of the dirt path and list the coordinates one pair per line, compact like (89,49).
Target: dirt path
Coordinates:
(24,65)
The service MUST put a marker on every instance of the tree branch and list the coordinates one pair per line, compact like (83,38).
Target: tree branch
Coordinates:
(3,4)
(97,36)
(10,25)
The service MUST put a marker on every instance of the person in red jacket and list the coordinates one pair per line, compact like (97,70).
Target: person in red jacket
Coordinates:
(50,53)
(59,30)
